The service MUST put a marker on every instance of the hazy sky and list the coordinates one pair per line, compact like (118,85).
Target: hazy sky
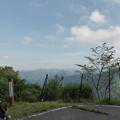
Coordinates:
(55,33)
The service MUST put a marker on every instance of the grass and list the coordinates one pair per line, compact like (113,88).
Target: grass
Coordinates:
(21,109)
(89,109)
(108,102)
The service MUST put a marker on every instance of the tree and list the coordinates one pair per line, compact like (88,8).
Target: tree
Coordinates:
(22,90)
(5,74)
(53,89)
(81,82)
(30,93)
(74,92)
(101,61)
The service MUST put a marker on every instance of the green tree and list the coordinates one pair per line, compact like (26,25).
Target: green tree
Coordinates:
(30,93)
(5,74)
(101,60)
(73,91)
(53,89)
(22,90)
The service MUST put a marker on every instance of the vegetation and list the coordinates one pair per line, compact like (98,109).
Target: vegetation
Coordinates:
(22,109)
(7,73)
(99,79)
(74,92)
(107,101)
(53,90)
(102,70)
(21,89)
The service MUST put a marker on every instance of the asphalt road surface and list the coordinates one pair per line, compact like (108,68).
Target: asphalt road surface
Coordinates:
(68,113)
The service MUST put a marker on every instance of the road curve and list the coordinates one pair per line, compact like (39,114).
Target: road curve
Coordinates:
(68,113)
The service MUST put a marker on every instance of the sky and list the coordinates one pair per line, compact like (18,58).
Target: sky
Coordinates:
(55,33)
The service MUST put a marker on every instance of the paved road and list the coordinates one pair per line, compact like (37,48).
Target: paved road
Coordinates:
(77,114)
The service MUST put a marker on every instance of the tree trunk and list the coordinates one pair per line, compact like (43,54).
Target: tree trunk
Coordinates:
(81,85)
(98,82)
(109,84)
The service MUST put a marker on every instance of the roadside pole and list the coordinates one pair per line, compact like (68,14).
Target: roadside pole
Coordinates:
(11,91)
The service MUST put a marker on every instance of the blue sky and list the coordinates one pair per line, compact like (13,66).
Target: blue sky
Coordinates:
(55,33)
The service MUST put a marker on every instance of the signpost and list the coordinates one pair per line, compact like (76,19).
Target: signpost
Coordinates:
(11,91)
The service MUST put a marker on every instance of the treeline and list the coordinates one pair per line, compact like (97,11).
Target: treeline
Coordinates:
(53,90)
(100,79)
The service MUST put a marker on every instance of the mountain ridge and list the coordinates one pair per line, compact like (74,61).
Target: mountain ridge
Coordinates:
(38,75)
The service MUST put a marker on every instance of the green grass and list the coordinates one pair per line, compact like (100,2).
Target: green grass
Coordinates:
(108,102)
(21,109)
(89,109)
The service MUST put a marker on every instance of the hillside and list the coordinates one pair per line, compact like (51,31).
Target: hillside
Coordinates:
(38,76)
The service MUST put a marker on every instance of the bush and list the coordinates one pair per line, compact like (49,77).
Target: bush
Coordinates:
(31,93)
(86,91)
(74,92)
(108,101)
(53,90)
(70,91)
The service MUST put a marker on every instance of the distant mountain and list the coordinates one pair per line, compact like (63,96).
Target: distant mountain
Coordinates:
(72,79)
(38,76)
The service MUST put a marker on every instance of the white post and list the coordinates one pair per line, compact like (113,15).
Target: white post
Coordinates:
(11,91)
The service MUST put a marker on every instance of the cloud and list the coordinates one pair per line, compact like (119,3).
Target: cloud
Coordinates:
(7,57)
(60,28)
(4,44)
(55,38)
(114,1)
(77,8)
(46,46)
(27,41)
(97,17)
(86,35)
(65,46)
(116,44)
(117,54)
(71,55)
(59,14)
(50,37)
(38,3)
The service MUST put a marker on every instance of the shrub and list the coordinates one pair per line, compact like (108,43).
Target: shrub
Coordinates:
(73,91)
(108,101)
